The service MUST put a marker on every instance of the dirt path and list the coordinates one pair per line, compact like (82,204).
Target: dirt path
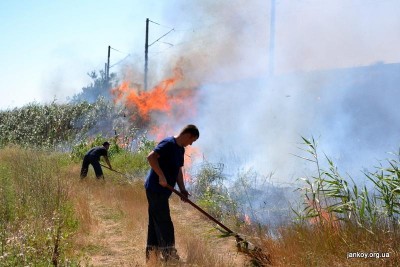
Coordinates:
(118,232)
(115,247)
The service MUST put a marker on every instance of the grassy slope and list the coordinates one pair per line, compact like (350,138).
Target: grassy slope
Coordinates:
(46,208)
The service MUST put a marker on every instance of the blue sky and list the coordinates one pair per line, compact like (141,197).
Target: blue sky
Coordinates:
(47,47)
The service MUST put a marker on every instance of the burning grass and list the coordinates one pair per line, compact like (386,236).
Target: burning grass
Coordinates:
(145,102)
(340,225)
(338,221)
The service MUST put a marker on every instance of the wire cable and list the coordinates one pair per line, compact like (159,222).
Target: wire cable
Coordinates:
(119,50)
(160,38)
(120,61)
(160,24)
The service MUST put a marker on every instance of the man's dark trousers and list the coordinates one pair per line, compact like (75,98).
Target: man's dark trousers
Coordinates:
(161,235)
(96,166)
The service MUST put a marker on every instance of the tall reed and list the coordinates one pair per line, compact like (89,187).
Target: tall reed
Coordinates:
(330,198)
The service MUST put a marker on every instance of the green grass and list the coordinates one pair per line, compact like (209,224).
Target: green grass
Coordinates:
(38,218)
(36,215)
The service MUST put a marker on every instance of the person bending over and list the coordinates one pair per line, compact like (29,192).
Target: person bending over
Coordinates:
(92,157)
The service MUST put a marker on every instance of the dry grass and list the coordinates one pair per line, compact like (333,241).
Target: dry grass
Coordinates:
(368,224)
(199,242)
(202,254)
(112,216)
(36,216)
(300,245)
(113,221)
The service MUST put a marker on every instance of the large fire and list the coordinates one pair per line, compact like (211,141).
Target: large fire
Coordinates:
(157,110)
(161,109)
(145,102)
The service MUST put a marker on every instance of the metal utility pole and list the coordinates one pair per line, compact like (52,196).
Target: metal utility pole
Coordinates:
(146,49)
(146,58)
(272,39)
(105,69)
(108,65)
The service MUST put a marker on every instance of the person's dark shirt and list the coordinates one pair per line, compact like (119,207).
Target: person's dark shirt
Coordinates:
(171,160)
(96,152)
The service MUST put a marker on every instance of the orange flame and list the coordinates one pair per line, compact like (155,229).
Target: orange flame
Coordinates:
(191,154)
(325,217)
(173,104)
(146,102)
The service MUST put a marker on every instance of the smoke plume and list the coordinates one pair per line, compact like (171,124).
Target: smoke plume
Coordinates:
(326,82)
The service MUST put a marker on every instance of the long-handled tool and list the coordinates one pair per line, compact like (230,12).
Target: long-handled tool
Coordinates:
(202,211)
(112,169)
(129,177)
(241,244)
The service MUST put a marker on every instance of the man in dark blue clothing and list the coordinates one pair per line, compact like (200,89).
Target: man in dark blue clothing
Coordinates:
(93,157)
(166,161)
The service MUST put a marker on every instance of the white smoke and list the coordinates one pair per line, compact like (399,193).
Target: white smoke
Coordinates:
(250,120)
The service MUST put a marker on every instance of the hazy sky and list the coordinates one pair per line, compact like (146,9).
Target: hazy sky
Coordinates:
(47,47)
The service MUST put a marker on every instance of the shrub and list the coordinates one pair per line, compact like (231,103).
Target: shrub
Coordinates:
(80,149)
(212,194)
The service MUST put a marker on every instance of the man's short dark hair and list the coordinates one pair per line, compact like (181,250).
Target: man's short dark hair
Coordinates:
(191,129)
(106,143)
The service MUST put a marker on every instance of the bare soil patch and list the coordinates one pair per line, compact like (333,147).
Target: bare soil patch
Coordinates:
(118,229)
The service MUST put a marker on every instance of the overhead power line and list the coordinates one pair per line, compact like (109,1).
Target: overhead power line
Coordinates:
(146,49)
(119,51)
(160,24)
(120,61)
(160,38)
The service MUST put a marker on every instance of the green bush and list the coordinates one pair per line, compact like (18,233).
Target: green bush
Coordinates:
(210,191)
(80,149)
(133,164)
(57,125)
